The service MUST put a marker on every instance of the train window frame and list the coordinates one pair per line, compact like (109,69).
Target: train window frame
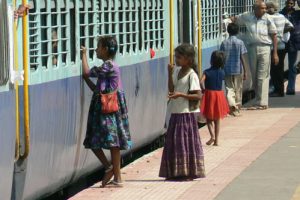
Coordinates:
(83,24)
(211,31)
(5,45)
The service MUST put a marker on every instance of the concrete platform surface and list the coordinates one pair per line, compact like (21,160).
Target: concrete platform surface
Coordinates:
(248,164)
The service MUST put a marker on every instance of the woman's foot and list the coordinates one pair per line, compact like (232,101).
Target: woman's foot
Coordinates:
(216,143)
(107,176)
(210,141)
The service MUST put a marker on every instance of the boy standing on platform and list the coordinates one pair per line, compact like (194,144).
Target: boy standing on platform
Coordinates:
(235,71)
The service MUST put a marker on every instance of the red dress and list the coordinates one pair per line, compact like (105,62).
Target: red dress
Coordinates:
(214,104)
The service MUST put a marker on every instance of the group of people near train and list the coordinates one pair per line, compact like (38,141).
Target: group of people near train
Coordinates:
(269,30)
(266,43)
(183,158)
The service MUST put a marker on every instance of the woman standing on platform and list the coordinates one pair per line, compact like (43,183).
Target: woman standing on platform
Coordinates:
(182,157)
(109,129)
(214,105)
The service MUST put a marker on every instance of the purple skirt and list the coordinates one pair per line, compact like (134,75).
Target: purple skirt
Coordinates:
(183,154)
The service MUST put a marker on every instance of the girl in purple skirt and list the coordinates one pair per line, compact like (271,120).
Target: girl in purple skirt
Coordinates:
(182,157)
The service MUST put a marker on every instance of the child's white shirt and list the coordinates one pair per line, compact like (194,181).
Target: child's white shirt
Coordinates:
(189,82)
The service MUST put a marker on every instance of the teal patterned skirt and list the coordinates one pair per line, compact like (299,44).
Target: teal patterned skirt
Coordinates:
(108,130)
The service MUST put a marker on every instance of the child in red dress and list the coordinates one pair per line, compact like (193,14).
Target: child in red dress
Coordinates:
(214,105)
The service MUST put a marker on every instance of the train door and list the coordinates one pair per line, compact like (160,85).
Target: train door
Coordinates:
(7,102)
(186,21)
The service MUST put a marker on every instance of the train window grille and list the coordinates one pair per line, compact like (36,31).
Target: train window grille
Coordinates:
(50,33)
(4,45)
(233,8)
(210,20)
(153,24)
(88,24)
(54,26)
(128,26)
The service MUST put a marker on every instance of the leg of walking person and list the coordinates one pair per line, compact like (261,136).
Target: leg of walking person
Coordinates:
(292,57)
(101,156)
(263,75)
(210,129)
(116,161)
(217,131)
(108,168)
(230,93)
(277,75)
(238,87)
(281,54)
(252,53)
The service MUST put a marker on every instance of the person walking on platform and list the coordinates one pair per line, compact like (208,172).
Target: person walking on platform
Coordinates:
(182,157)
(283,25)
(293,45)
(107,125)
(261,34)
(235,72)
(214,106)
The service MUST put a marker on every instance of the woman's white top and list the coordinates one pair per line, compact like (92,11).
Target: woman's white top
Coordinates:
(187,83)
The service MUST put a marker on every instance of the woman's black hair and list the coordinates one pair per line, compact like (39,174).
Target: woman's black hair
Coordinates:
(217,59)
(188,51)
(110,43)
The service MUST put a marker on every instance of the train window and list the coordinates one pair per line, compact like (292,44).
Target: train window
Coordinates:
(54,25)
(34,45)
(88,13)
(50,33)
(71,30)
(45,33)
(4,45)
(210,20)
(153,26)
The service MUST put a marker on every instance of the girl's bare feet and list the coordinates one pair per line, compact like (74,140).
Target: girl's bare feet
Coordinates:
(107,176)
(210,141)
(216,143)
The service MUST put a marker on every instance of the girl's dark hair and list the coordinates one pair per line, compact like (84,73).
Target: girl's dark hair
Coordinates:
(217,59)
(188,51)
(110,43)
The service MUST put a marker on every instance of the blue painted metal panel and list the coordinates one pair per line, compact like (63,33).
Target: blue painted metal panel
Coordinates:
(7,142)
(58,112)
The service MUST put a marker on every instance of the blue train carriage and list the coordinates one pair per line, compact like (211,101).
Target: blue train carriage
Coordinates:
(45,115)
(53,100)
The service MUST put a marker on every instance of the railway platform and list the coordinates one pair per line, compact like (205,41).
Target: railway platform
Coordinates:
(258,158)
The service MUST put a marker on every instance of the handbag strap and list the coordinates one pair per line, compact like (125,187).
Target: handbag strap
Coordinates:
(192,71)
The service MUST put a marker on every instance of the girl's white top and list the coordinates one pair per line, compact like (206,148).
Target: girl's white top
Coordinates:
(189,82)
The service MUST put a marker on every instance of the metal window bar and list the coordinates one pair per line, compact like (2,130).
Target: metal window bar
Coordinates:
(88,16)
(137,24)
(210,20)
(34,35)
(49,38)
(4,44)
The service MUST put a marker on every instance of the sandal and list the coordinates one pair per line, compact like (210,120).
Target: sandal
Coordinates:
(262,107)
(116,183)
(252,108)
(107,176)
